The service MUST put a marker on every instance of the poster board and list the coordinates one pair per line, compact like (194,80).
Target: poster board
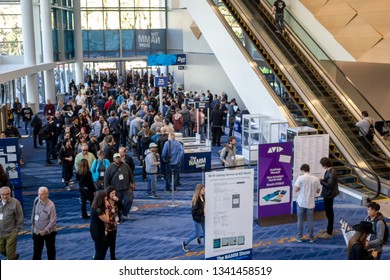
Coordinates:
(274,179)
(229,214)
(9,159)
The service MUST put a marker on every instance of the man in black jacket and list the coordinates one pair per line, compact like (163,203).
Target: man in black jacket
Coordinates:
(330,189)
(36,124)
(109,150)
(50,140)
(216,124)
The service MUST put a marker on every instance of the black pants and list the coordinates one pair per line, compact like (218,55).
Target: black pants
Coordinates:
(49,149)
(328,202)
(39,240)
(67,171)
(217,133)
(100,245)
(36,137)
(84,195)
(111,243)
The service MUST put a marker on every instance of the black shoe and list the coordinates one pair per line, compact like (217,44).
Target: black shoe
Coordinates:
(17,256)
(48,163)
(85,217)
(198,240)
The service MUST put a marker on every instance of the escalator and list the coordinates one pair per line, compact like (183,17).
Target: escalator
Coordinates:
(319,87)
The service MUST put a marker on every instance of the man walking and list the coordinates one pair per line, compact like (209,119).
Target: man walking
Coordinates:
(172,154)
(11,223)
(307,186)
(278,11)
(43,221)
(118,174)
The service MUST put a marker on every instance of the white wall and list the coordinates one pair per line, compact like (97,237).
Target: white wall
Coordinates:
(317,31)
(203,71)
(372,80)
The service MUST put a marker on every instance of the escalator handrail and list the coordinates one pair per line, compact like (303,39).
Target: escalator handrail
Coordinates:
(268,5)
(383,159)
(365,170)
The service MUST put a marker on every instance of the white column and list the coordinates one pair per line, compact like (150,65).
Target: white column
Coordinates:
(29,52)
(78,42)
(47,48)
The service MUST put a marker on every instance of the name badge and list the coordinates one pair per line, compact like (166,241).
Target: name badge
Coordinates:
(49,111)
(101,173)
(120,177)
(58,125)
(116,219)
(1,216)
(232,157)
(36,217)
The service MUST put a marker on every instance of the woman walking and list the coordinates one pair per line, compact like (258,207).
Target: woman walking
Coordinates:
(198,213)
(113,206)
(86,186)
(97,228)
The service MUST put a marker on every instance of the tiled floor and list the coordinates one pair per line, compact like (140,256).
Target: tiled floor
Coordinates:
(156,230)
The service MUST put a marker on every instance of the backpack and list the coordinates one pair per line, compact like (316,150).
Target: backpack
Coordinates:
(220,152)
(370,133)
(44,132)
(386,233)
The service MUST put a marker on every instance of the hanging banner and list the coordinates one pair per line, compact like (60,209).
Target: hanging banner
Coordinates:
(274,179)
(229,214)
(167,59)
(9,159)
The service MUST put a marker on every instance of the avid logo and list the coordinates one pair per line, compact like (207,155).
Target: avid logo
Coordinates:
(198,162)
(274,150)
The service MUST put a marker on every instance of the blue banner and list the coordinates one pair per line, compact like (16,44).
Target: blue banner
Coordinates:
(160,81)
(10,158)
(153,39)
(167,59)
(196,162)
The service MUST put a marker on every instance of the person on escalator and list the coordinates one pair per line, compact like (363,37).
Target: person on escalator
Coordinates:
(366,129)
(278,11)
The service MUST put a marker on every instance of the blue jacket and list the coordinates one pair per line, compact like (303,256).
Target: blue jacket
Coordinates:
(173,150)
(95,168)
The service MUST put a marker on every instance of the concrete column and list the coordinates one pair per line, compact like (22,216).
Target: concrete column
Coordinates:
(29,52)
(78,43)
(47,48)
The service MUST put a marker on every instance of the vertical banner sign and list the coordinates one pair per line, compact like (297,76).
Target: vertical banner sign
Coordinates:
(274,179)
(229,214)
(160,81)
(9,159)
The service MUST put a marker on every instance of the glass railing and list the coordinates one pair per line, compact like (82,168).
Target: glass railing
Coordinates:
(268,74)
(345,86)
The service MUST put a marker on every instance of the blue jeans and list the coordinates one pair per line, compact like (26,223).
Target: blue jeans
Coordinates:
(309,218)
(152,183)
(196,234)
(127,197)
(279,22)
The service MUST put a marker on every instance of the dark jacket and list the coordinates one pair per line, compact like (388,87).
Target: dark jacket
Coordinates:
(86,182)
(359,253)
(217,118)
(330,184)
(109,152)
(198,211)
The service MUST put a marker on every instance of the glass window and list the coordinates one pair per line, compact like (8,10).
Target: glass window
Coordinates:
(95,20)
(83,3)
(127,20)
(111,20)
(94,3)
(141,3)
(157,3)
(142,20)
(127,3)
(110,3)
(157,20)
(84,20)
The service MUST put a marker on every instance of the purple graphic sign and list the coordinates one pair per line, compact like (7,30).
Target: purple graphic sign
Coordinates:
(274,179)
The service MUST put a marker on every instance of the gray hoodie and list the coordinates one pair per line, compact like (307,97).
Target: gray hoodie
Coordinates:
(151,161)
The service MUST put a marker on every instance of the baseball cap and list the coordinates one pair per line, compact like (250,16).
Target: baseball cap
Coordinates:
(152,145)
(116,155)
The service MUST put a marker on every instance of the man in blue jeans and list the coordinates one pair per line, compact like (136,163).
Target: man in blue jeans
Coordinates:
(172,154)
(278,11)
(307,186)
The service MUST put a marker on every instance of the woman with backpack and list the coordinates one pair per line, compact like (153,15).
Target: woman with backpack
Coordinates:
(198,216)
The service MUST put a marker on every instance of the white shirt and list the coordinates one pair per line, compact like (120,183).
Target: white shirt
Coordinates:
(364,125)
(308,186)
